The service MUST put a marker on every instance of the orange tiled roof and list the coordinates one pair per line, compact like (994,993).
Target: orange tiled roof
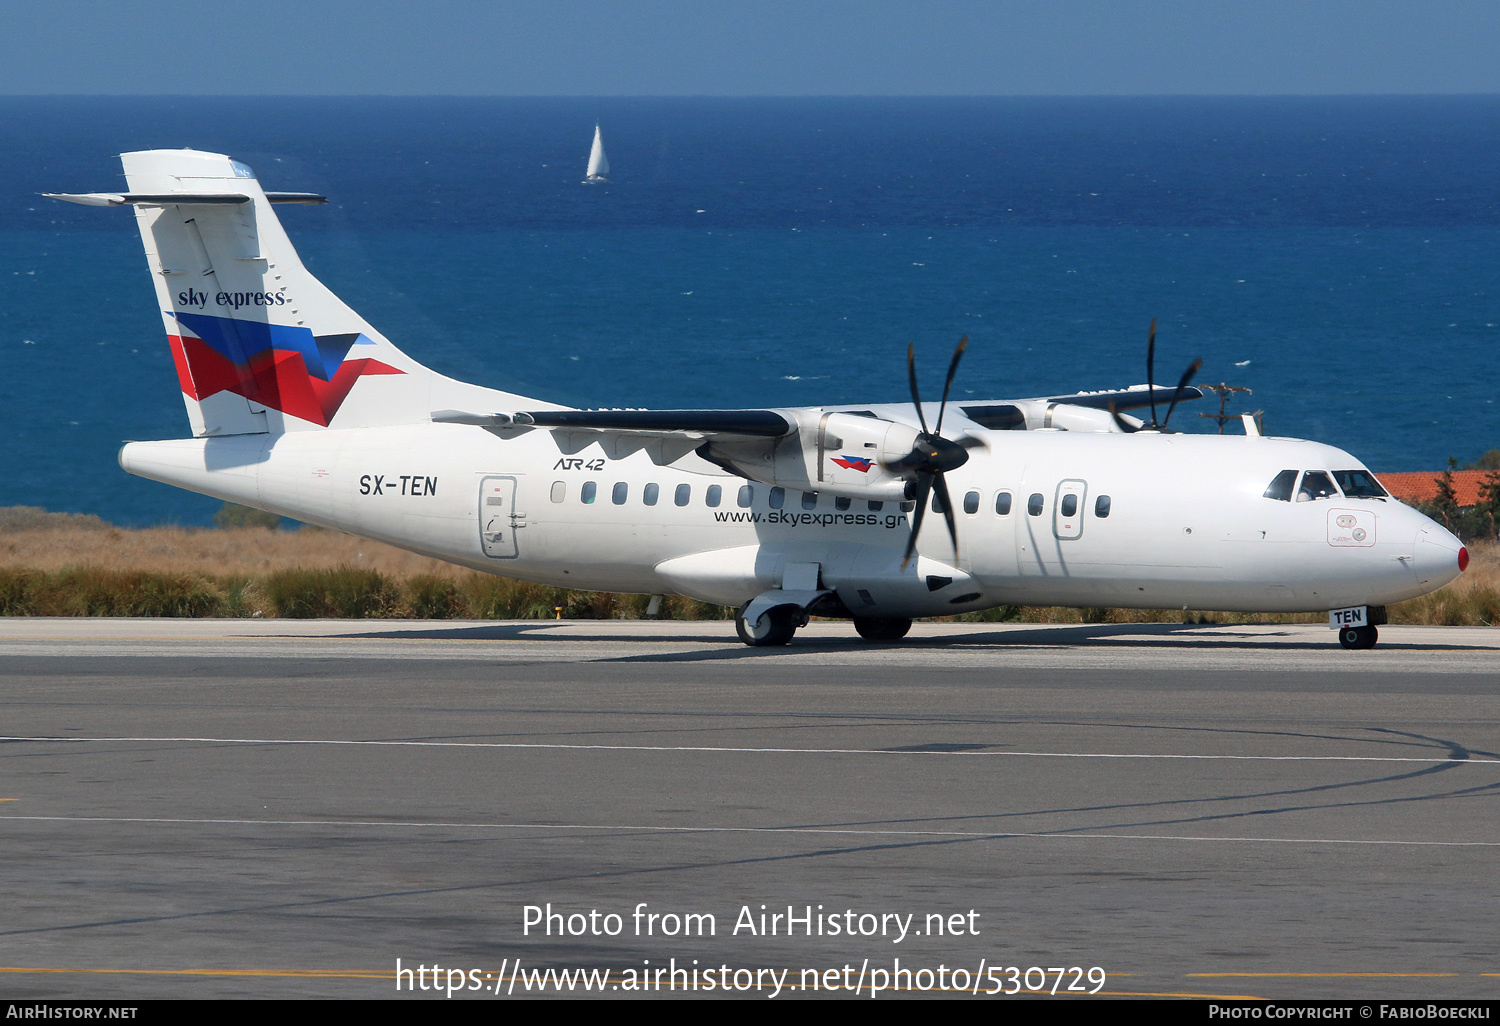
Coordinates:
(1421,485)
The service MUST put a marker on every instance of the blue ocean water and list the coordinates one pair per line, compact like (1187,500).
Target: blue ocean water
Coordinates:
(1337,256)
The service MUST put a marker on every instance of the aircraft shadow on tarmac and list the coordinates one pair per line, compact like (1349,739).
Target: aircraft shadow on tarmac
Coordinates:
(1163,636)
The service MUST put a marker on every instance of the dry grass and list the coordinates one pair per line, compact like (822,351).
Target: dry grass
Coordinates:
(214,552)
(56,565)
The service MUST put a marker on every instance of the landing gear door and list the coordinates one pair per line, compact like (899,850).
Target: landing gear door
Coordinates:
(1067,511)
(499,521)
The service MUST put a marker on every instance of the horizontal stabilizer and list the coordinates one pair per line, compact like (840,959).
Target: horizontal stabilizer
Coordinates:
(119,199)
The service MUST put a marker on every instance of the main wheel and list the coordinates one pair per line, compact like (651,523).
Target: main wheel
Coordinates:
(874,629)
(775,626)
(1358,637)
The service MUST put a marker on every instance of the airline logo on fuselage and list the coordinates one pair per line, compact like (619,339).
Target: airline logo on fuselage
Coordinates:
(858,463)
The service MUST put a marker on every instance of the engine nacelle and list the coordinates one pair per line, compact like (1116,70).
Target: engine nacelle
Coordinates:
(841,453)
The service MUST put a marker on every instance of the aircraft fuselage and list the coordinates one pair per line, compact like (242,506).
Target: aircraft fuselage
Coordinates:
(1154,521)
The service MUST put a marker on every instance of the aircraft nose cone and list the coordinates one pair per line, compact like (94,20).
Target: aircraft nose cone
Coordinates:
(1439,556)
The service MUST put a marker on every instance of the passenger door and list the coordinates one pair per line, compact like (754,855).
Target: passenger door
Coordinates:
(499,520)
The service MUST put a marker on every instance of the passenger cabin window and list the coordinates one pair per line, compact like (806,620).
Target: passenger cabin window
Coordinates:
(777,498)
(1002,504)
(683,494)
(1280,487)
(651,493)
(875,505)
(1069,505)
(971,502)
(713,496)
(587,493)
(907,507)
(809,500)
(559,491)
(620,493)
(1034,504)
(1315,485)
(1359,484)
(1101,507)
(841,502)
(745,497)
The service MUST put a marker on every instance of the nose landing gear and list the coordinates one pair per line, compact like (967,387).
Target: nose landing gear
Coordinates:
(1358,637)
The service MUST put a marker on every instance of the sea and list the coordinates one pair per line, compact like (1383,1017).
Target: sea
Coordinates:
(1338,257)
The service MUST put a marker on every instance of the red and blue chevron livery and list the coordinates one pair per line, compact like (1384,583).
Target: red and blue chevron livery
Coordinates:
(282,367)
(858,463)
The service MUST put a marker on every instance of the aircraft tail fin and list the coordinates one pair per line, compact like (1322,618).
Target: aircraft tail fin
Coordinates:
(261,345)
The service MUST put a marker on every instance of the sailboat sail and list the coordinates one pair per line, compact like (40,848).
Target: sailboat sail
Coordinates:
(598,162)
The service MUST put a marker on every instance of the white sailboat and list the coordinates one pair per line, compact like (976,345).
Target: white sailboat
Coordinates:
(598,162)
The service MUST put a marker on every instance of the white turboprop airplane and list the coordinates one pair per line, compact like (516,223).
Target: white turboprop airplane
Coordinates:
(301,408)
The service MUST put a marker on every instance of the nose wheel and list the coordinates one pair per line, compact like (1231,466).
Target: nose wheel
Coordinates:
(1358,637)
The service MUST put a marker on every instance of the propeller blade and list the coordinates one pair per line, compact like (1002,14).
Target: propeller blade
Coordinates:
(940,486)
(911,374)
(1151,369)
(924,486)
(970,442)
(1187,376)
(963,344)
(1124,424)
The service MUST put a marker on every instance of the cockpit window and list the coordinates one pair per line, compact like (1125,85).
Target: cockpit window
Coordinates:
(1359,484)
(1315,485)
(1281,486)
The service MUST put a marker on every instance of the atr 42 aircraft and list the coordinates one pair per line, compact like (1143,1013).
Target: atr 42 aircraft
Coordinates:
(301,408)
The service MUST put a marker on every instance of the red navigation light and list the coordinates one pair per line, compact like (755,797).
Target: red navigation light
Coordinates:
(1463,559)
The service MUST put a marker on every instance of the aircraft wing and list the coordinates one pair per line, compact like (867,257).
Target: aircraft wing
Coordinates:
(1133,398)
(743,423)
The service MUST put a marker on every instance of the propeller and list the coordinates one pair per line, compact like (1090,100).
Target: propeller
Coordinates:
(1182,384)
(933,455)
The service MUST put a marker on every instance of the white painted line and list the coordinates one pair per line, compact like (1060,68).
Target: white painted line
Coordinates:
(846,831)
(752,751)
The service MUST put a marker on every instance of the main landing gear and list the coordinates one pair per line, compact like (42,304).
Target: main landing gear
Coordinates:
(775,626)
(873,629)
(1358,637)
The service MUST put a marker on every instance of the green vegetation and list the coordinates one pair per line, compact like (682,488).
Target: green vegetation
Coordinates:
(90,591)
(34,518)
(344,592)
(357,593)
(1479,522)
(233,515)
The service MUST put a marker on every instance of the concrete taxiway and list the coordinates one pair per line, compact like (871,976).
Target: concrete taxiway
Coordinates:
(283,809)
